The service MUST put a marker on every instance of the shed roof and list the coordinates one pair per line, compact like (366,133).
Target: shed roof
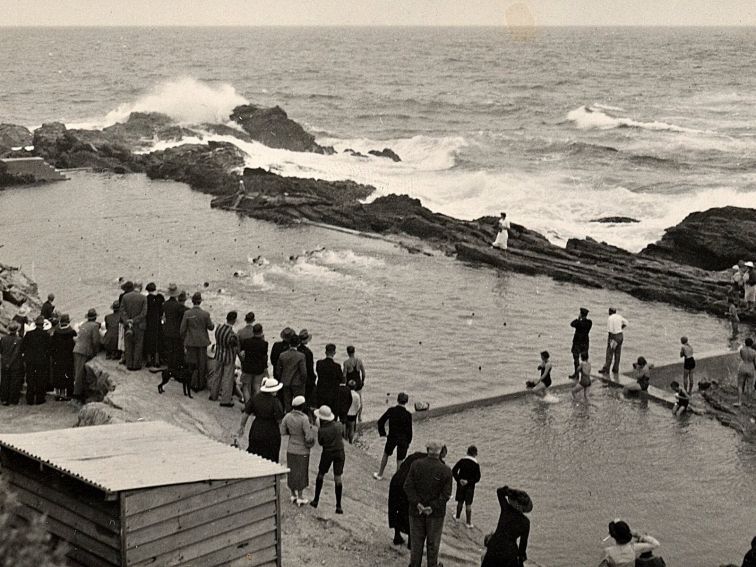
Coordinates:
(132,456)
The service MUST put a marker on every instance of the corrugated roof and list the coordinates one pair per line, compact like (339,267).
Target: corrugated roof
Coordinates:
(131,456)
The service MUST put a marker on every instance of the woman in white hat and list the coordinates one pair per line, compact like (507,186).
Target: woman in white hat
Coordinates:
(296,424)
(330,437)
(264,435)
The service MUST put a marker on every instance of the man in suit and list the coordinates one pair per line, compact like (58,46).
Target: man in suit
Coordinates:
(86,347)
(48,307)
(35,350)
(292,368)
(173,311)
(329,377)
(134,319)
(195,326)
(304,338)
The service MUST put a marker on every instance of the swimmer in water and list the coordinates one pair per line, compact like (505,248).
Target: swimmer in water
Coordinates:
(539,388)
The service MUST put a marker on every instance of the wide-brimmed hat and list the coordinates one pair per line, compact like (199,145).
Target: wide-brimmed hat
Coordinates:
(304,336)
(92,314)
(519,500)
(270,385)
(749,264)
(287,332)
(151,286)
(324,413)
(736,267)
(298,401)
(116,306)
(173,290)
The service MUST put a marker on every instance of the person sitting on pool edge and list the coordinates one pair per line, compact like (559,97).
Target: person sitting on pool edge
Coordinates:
(399,433)
(539,388)
(682,399)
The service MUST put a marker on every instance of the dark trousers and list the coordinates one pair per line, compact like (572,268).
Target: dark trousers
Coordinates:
(425,529)
(11,382)
(197,361)
(174,354)
(289,393)
(615,352)
(36,383)
(577,350)
(134,344)
(80,375)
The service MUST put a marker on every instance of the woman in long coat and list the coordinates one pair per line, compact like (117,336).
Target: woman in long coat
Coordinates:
(61,349)
(296,424)
(507,546)
(155,303)
(398,505)
(264,434)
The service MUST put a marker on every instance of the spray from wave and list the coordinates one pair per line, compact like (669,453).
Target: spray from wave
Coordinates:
(587,118)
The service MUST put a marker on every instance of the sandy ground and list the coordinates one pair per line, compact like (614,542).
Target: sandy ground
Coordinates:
(359,538)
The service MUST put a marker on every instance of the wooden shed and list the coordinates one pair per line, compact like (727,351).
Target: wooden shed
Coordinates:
(148,493)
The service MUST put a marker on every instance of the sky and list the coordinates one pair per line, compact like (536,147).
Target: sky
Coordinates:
(377,12)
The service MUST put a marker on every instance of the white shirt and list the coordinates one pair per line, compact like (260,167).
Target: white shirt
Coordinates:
(615,322)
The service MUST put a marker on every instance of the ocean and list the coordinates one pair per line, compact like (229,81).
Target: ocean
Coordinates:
(558,128)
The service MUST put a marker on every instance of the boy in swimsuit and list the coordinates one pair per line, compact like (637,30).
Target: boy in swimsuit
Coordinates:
(689,364)
(682,399)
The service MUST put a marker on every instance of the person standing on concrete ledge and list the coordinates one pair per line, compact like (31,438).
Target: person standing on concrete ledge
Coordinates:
(399,435)
(615,326)
(581,339)
(428,488)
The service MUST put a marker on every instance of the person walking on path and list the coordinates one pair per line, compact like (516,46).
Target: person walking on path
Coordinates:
(508,545)
(194,330)
(746,371)
(330,438)
(35,350)
(254,357)
(48,307)
(581,339)
(296,424)
(292,369)
(629,545)
(264,434)
(502,239)
(467,474)
(86,347)
(583,378)
(133,317)
(11,366)
(110,341)
(173,313)
(329,377)
(354,370)
(226,350)
(152,338)
(428,488)
(62,345)
(615,326)
(399,435)
(689,364)
(304,338)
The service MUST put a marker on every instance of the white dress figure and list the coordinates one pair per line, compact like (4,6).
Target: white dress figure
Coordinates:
(503,236)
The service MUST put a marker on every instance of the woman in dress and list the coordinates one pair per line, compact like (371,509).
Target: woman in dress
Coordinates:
(62,345)
(264,434)
(296,424)
(507,546)
(503,237)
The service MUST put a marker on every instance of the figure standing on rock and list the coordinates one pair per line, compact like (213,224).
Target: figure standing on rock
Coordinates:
(503,237)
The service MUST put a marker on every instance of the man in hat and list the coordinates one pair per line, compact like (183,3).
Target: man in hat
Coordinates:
(254,357)
(304,338)
(110,342)
(428,488)
(11,366)
(279,347)
(134,319)
(615,326)
(62,343)
(22,318)
(35,350)
(292,369)
(330,438)
(330,376)
(48,308)
(195,327)
(173,312)
(87,346)
(226,350)
(580,340)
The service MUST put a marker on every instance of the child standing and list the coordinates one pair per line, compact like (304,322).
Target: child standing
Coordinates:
(682,399)
(584,377)
(352,412)
(467,474)
(689,364)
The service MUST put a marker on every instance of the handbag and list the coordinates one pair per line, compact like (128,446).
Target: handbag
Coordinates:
(309,439)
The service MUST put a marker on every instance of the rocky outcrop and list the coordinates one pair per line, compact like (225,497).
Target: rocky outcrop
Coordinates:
(387,153)
(273,127)
(714,239)
(18,290)
(615,220)
(14,136)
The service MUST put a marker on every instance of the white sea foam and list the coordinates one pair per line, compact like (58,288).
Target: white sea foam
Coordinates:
(345,258)
(588,118)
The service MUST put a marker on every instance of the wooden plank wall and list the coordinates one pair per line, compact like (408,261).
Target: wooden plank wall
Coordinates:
(206,524)
(76,512)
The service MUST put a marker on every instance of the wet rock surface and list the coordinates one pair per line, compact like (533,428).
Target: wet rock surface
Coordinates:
(18,290)
(274,128)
